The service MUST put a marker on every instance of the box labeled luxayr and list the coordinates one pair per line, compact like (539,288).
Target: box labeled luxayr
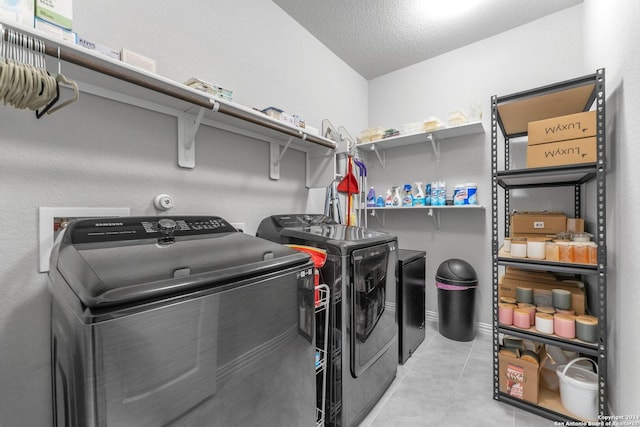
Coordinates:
(537,223)
(561,153)
(572,126)
(57,12)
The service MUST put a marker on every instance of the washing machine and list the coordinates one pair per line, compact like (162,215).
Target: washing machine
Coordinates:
(362,338)
(179,321)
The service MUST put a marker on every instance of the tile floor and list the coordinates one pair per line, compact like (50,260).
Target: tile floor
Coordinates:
(447,383)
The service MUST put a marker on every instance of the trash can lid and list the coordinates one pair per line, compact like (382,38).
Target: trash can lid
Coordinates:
(456,272)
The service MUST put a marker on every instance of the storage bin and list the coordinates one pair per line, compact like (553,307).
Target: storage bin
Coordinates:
(579,389)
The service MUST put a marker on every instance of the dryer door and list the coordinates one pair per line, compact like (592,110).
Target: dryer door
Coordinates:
(373,316)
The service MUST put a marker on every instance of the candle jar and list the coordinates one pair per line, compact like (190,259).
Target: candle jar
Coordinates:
(536,248)
(551,251)
(565,251)
(592,248)
(581,253)
(519,247)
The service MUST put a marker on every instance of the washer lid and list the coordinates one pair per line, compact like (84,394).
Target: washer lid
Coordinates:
(111,271)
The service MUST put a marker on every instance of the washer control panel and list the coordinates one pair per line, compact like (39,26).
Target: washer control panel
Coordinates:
(134,228)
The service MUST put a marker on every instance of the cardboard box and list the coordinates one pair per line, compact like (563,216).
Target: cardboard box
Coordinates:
(537,223)
(105,50)
(55,31)
(563,128)
(56,12)
(542,291)
(17,11)
(137,60)
(520,378)
(575,225)
(571,152)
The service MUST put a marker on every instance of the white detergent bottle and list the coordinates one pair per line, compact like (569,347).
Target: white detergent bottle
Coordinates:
(418,195)
(397,198)
(389,199)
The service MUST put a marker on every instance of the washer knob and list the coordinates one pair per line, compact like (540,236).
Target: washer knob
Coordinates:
(167,226)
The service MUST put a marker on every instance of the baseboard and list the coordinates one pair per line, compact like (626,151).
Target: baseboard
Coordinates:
(483,328)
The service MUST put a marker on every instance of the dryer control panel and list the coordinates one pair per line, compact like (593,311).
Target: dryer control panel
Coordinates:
(134,228)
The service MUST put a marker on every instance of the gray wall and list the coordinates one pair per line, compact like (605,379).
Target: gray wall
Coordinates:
(613,41)
(103,153)
(539,53)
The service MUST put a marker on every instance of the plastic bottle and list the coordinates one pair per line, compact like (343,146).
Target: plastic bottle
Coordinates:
(418,195)
(380,202)
(459,194)
(397,198)
(389,198)
(407,197)
(371,198)
(427,194)
(472,193)
(434,193)
(442,193)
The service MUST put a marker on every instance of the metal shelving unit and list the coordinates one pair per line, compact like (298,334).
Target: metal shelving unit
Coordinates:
(510,115)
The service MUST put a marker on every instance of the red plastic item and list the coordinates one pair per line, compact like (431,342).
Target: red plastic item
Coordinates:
(319,257)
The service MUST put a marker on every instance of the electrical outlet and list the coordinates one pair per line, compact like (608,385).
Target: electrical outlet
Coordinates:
(240,226)
(51,219)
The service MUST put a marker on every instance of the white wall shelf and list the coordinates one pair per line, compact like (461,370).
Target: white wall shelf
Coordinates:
(115,80)
(434,137)
(432,211)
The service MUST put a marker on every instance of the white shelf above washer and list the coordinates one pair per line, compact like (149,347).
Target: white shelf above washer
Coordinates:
(115,80)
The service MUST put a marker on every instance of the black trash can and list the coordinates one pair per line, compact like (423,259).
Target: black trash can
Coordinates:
(456,281)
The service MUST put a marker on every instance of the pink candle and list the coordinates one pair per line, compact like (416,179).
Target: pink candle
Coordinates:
(531,309)
(521,318)
(564,325)
(505,313)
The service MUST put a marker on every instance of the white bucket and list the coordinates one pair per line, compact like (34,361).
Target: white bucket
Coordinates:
(579,389)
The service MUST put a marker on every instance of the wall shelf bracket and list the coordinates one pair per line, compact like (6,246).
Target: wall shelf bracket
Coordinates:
(435,215)
(380,154)
(379,214)
(436,147)
(188,126)
(275,157)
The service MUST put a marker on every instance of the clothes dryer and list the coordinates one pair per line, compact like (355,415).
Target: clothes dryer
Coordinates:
(361,274)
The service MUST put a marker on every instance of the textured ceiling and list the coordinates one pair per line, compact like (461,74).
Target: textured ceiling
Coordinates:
(376,37)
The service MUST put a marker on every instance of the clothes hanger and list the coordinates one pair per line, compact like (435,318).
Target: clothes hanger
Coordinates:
(62,80)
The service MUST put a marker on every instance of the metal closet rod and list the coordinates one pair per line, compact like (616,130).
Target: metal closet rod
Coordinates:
(61,53)
(274,126)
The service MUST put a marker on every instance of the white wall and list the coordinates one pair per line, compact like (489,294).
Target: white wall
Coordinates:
(612,41)
(536,54)
(102,153)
